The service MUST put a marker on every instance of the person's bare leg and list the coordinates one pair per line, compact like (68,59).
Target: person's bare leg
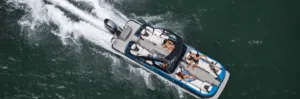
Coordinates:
(195,65)
(190,63)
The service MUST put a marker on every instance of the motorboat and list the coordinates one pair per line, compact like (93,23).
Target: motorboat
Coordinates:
(164,54)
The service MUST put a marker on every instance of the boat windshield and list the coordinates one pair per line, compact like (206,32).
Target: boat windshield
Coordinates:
(176,54)
(172,58)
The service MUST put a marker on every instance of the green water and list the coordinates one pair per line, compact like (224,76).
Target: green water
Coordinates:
(249,37)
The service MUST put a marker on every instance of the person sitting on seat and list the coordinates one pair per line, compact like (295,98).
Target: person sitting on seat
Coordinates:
(214,68)
(184,75)
(162,64)
(168,44)
(194,58)
(157,56)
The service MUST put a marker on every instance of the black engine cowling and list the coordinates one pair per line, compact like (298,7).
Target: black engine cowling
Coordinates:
(111,26)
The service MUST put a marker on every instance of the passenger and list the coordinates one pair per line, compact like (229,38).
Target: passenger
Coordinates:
(168,44)
(214,68)
(184,75)
(162,64)
(157,56)
(194,58)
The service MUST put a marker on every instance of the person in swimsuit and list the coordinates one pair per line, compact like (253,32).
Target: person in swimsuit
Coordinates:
(194,58)
(185,76)
(168,44)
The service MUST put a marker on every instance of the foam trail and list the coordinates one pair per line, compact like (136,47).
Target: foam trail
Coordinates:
(39,13)
(81,28)
(83,15)
(100,37)
(121,19)
(101,6)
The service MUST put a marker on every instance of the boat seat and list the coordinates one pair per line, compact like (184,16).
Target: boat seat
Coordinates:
(137,50)
(156,40)
(149,62)
(147,33)
(159,32)
(158,37)
(197,84)
(153,35)
(203,64)
(204,86)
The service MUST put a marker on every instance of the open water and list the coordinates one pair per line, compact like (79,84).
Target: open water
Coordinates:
(59,49)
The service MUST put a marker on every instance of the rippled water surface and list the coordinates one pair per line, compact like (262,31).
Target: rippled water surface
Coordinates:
(60,49)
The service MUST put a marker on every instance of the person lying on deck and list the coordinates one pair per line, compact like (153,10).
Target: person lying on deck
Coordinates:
(194,58)
(168,44)
(185,76)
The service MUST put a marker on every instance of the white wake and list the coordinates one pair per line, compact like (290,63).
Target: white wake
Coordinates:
(38,13)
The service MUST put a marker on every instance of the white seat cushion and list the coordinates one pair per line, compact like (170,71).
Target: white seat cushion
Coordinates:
(135,49)
(149,29)
(149,62)
(196,84)
(189,84)
(138,50)
(164,37)
(146,34)
(134,53)
(157,32)
(133,46)
(143,32)
(144,52)
(156,40)
(201,85)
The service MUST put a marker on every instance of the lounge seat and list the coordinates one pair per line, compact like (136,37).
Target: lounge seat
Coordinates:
(158,37)
(153,35)
(203,64)
(137,50)
(201,86)
(156,40)
(204,86)
(159,32)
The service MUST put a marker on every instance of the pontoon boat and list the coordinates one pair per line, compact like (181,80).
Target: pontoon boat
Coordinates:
(147,47)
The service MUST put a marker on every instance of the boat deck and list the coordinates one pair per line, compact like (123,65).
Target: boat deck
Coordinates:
(205,76)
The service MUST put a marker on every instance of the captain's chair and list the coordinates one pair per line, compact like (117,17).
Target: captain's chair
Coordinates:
(147,33)
(135,49)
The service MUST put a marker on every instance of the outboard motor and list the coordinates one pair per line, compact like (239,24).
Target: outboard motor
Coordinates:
(112,27)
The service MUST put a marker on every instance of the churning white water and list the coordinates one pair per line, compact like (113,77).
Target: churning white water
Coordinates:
(40,13)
